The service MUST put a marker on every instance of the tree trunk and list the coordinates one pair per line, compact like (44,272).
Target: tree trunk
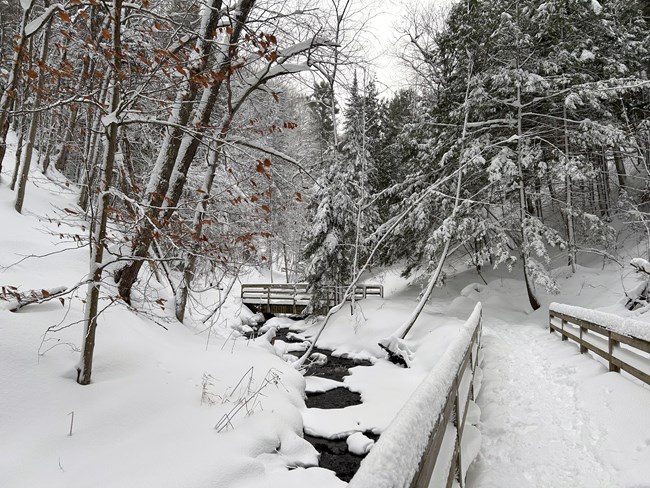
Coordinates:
(98,237)
(569,204)
(606,188)
(92,155)
(534,302)
(401,333)
(189,266)
(177,154)
(19,154)
(8,95)
(64,147)
(33,125)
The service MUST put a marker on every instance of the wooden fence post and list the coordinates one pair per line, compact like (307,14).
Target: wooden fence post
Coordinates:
(612,344)
(458,422)
(583,348)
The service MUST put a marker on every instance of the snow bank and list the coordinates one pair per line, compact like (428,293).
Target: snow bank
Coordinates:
(359,444)
(395,459)
(641,264)
(615,323)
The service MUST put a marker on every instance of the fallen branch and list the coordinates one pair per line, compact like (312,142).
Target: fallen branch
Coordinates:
(13,300)
(395,344)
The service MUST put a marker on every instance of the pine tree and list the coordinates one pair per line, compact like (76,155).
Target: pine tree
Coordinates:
(320,103)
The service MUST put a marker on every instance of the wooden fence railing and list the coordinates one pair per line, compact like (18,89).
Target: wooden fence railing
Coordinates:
(415,447)
(623,343)
(294,297)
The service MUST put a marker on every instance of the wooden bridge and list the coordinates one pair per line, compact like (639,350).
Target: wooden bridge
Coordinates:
(293,298)
(623,343)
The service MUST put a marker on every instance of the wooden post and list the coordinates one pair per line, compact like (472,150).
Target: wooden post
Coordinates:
(583,348)
(612,344)
(564,338)
(458,421)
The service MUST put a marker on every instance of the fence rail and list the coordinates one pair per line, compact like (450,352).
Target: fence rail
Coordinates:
(294,297)
(613,339)
(411,449)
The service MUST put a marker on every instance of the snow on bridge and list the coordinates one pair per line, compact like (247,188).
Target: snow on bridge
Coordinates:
(553,417)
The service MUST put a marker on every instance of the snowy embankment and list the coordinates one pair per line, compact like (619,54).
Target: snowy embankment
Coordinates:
(159,388)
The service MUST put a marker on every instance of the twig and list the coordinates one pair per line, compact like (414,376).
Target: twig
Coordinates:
(71,424)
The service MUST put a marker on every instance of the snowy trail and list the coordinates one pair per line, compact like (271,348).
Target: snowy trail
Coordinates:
(537,428)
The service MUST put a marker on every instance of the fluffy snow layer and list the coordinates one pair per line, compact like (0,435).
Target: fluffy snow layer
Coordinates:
(641,264)
(615,323)
(359,444)
(159,387)
(395,459)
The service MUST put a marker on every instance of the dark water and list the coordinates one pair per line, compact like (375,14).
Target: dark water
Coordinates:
(337,367)
(336,398)
(334,455)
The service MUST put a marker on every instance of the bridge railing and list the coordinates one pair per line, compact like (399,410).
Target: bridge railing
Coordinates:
(294,297)
(291,297)
(423,443)
(623,343)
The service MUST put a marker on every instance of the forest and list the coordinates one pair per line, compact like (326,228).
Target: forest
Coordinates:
(157,156)
(206,138)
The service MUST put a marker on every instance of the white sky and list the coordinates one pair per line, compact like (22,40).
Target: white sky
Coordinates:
(383,40)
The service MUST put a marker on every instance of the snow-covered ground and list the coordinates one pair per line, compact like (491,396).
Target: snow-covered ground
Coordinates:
(158,390)
(550,416)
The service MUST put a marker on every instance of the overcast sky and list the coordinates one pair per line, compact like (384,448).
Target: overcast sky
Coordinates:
(383,39)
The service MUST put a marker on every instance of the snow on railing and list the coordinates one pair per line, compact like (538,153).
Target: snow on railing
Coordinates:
(410,448)
(623,343)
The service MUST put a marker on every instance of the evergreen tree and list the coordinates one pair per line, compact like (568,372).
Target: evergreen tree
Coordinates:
(320,104)
(546,107)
